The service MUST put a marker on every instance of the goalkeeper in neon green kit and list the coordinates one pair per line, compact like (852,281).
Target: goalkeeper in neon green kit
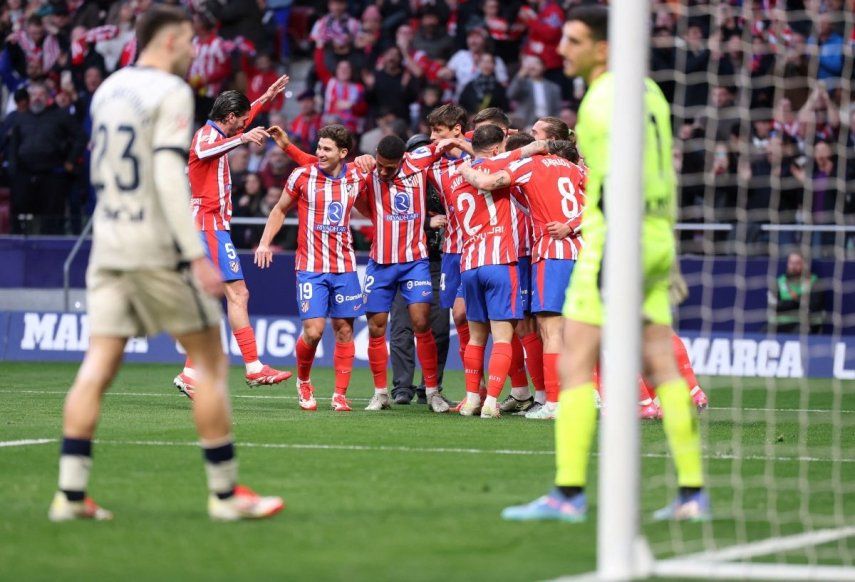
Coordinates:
(584,46)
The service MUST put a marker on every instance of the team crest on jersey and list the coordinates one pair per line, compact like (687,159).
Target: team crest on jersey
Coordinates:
(234,266)
(335,212)
(304,306)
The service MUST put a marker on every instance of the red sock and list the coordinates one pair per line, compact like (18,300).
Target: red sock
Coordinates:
(378,361)
(534,359)
(550,377)
(517,369)
(305,355)
(426,351)
(683,362)
(473,366)
(644,391)
(500,363)
(343,363)
(463,338)
(245,337)
(188,363)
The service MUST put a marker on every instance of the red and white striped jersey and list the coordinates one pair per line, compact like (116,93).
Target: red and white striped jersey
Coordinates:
(486,219)
(212,65)
(398,210)
(324,242)
(440,174)
(210,177)
(555,191)
(522,230)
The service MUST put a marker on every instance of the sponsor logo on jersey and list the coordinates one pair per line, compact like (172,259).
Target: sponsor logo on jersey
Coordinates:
(412,284)
(330,228)
(402,217)
(426,293)
(335,212)
(401,203)
(339,298)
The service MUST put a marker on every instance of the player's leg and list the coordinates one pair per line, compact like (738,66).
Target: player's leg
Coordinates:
(313,296)
(211,412)
(530,338)
(520,398)
(80,419)
(688,373)
(451,296)
(237,307)
(379,293)
(679,419)
(479,331)
(342,361)
(416,287)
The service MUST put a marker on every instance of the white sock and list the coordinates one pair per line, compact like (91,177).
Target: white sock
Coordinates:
(381,391)
(490,401)
(74,472)
(473,398)
(695,390)
(190,373)
(254,367)
(429,391)
(540,396)
(521,393)
(646,402)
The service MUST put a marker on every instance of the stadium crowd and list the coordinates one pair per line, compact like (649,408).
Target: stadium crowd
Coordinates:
(761,93)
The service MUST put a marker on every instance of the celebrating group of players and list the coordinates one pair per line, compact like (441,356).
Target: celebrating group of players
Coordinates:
(514,208)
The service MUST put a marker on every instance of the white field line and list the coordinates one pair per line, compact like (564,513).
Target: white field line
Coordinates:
(173,394)
(429,450)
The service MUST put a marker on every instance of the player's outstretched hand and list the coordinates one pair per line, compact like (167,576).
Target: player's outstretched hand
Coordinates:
(438,221)
(208,276)
(558,230)
(365,163)
(256,135)
(276,88)
(279,136)
(263,256)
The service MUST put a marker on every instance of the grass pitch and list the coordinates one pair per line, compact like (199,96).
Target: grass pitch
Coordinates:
(398,495)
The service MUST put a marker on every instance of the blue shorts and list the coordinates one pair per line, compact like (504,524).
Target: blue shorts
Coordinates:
(329,295)
(219,248)
(492,293)
(383,281)
(550,278)
(524,266)
(450,287)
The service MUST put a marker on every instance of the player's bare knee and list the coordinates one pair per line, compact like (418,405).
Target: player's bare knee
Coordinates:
(312,334)
(343,330)
(238,294)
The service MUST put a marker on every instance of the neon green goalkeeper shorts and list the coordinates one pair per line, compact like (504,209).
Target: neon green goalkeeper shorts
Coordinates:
(584,302)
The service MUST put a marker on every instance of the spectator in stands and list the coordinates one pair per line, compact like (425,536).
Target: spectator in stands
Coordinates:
(797,299)
(239,19)
(385,121)
(696,63)
(122,17)
(305,126)
(247,199)
(368,39)
(281,12)
(417,62)
(275,169)
(722,177)
(391,87)
(534,95)
(829,45)
(239,167)
(260,74)
(337,27)
(344,100)
(505,28)
(724,111)
(819,117)
(431,38)
(466,63)
(785,121)
(212,66)
(543,20)
(430,99)
(822,202)
(46,147)
(484,90)
(22,104)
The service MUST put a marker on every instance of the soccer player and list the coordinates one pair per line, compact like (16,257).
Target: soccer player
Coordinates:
(555,195)
(584,46)
(550,128)
(211,189)
(327,284)
(148,271)
(449,122)
(490,277)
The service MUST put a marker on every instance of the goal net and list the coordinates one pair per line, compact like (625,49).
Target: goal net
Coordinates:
(764,123)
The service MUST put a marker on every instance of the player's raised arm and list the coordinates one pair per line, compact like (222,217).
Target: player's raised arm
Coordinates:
(482,180)
(281,139)
(275,89)
(263,254)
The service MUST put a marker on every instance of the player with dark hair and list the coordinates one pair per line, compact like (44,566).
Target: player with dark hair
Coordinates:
(550,128)
(211,190)
(148,271)
(492,115)
(327,284)
(585,48)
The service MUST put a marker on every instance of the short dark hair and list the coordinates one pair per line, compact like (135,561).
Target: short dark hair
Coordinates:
(391,147)
(492,115)
(487,136)
(156,18)
(555,128)
(595,17)
(447,115)
(565,148)
(229,102)
(21,95)
(518,140)
(338,134)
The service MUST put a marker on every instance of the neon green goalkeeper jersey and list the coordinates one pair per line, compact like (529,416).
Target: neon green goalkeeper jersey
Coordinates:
(593,131)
